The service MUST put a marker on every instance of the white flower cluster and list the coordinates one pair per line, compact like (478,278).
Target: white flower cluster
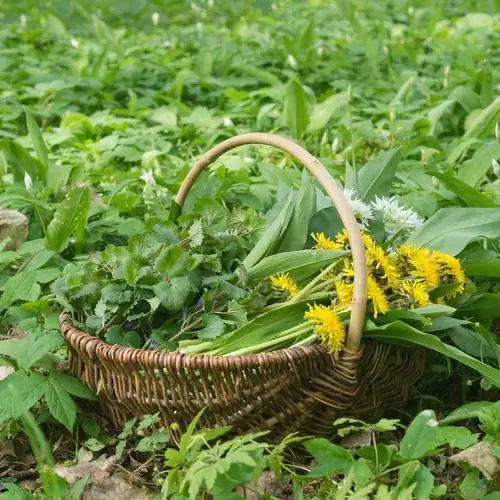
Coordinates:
(396,218)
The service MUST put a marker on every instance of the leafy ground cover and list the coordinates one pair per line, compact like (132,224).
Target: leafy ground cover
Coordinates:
(103,111)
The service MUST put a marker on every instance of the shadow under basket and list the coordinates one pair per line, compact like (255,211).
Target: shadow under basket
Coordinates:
(301,390)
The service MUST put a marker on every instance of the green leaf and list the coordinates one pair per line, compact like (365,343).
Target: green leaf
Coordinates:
(39,260)
(296,234)
(485,266)
(21,161)
(172,260)
(400,332)
(29,388)
(425,483)
(469,195)
(421,436)
(330,457)
(484,122)
(70,218)
(474,170)
(456,437)
(466,412)
(452,229)
(18,287)
(214,327)
(60,404)
(472,343)
(116,335)
(39,144)
(300,264)
(296,114)
(376,177)
(173,293)
(71,385)
(482,308)
(324,111)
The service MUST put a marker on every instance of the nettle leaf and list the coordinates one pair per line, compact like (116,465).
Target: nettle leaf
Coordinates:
(173,293)
(71,385)
(29,388)
(214,327)
(172,260)
(21,286)
(196,234)
(116,335)
(60,404)
(116,293)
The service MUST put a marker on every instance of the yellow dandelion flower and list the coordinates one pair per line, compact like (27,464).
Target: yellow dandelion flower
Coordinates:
(415,292)
(377,297)
(344,293)
(382,266)
(327,326)
(324,243)
(418,264)
(342,239)
(450,272)
(283,283)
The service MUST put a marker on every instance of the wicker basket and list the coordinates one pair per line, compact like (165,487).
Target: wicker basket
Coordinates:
(302,389)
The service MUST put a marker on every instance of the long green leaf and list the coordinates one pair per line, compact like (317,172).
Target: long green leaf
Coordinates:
(484,121)
(403,333)
(452,229)
(21,161)
(300,264)
(376,177)
(38,143)
(296,115)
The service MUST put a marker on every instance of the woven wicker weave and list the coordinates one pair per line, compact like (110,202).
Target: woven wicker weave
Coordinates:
(302,389)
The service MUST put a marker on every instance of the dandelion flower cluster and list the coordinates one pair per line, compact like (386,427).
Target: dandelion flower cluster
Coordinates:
(327,326)
(284,283)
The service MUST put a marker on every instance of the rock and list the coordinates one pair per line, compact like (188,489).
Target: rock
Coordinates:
(480,456)
(268,484)
(14,225)
(5,371)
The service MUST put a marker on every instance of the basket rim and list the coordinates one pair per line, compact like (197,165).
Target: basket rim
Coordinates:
(93,347)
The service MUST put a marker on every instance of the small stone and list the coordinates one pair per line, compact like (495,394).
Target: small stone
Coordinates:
(14,225)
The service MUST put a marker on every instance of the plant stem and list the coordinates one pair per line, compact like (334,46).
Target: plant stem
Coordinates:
(310,286)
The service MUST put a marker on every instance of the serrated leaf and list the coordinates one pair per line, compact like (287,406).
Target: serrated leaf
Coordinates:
(71,385)
(116,335)
(172,260)
(173,293)
(60,404)
(330,457)
(196,234)
(214,327)
(18,287)
(116,293)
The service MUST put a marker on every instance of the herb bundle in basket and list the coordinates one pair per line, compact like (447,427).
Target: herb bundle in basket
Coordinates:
(207,312)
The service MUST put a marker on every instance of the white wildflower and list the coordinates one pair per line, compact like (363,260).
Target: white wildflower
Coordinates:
(362,211)
(432,422)
(74,43)
(336,146)
(24,21)
(28,181)
(292,62)
(148,178)
(496,167)
(427,413)
(155,18)
(227,122)
(397,219)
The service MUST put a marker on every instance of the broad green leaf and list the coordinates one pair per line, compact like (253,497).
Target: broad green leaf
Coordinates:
(400,332)
(485,121)
(486,266)
(330,457)
(456,437)
(324,111)
(60,404)
(172,260)
(18,287)
(473,171)
(472,343)
(376,177)
(71,385)
(70,218)
(452,229)
(260,74)
(472,197)
(39,260)
(272,235)
(21,161)
(296,234)
(420,437)
(173,292)
(425,483)
(296,113)
(482,308)
(39,144)
(214,327)
(466,412)
(301,264)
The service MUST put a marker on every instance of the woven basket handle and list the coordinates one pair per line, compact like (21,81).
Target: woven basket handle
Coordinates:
(358,306)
